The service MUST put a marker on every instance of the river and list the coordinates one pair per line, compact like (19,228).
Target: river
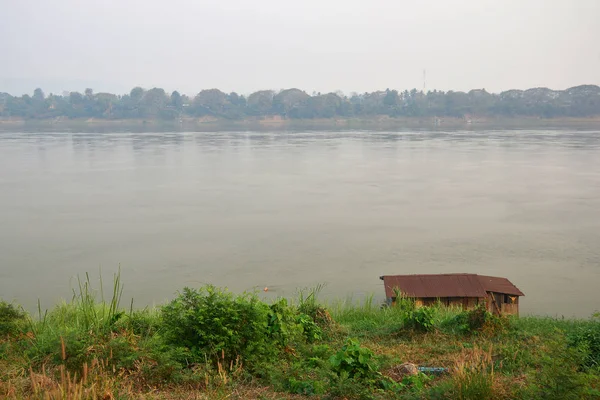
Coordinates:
(287,210)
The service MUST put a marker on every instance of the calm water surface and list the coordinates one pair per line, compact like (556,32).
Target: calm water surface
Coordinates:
(288,210)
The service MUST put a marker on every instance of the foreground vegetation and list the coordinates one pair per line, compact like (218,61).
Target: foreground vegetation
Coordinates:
(209,343)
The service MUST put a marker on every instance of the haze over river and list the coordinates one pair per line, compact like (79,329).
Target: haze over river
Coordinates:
(289,210)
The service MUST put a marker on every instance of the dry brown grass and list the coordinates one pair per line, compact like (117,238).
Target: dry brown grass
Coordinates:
(473,376)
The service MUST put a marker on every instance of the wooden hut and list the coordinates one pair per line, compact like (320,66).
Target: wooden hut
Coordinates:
(463,290)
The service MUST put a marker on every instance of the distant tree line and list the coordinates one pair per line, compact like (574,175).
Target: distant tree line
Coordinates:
(579,101)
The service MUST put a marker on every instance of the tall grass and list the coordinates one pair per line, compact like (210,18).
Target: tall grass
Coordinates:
(368,317)
(473,375)
(85,312)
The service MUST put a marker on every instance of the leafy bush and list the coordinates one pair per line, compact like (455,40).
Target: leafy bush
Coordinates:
(283,323)
(211,323)
(421,319)
(480,320)
(11,319)
(354,360)
(308,305)
(312,332)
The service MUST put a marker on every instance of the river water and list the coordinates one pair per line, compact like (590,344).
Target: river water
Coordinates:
(289,210)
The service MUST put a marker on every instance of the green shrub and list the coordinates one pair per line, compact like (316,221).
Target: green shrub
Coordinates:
(212,323)
(479,320)
(283,323)
(354,360)
(12,319)
(421,319)
(308,305)
(311,330)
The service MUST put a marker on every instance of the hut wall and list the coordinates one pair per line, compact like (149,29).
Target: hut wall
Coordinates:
(510,309)
(500,303)
(495,302)
(457,302)
(472,302)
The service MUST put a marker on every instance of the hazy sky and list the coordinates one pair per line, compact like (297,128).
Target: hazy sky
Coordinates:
(316,45)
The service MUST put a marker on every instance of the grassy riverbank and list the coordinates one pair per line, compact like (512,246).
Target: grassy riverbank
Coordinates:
(208,343)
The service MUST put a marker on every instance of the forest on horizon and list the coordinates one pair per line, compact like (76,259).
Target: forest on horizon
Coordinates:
(155,103)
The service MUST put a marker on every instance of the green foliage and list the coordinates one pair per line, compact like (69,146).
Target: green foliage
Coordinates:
(479,320)
(305,387)
(312,332)
(12,319)
(558,377)
(212,323)
(586,338)
(85,312)
(74,333)
(283,323)
(403,302)
(354,360)
(416,382)
(312,317)
(144,322)
(421,319)
(342,386)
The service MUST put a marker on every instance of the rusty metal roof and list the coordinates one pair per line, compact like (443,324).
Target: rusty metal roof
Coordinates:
(448,285)
(499,285)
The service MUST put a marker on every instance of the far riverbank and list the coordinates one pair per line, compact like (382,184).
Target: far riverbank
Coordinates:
(277,123)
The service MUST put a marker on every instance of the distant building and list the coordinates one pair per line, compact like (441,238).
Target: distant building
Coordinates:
(463,290)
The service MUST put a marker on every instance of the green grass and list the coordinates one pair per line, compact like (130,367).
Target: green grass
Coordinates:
(210,343)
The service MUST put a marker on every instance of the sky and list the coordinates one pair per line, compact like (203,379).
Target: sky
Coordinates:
(315,45)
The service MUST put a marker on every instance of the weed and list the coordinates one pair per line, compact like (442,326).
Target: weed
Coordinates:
(311,330)
(12,319)
(283,323)
(305,387)
(586,337)
(557,377)
(480,321)
(308,305)
(421,319)
(403,302)
(354,360)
